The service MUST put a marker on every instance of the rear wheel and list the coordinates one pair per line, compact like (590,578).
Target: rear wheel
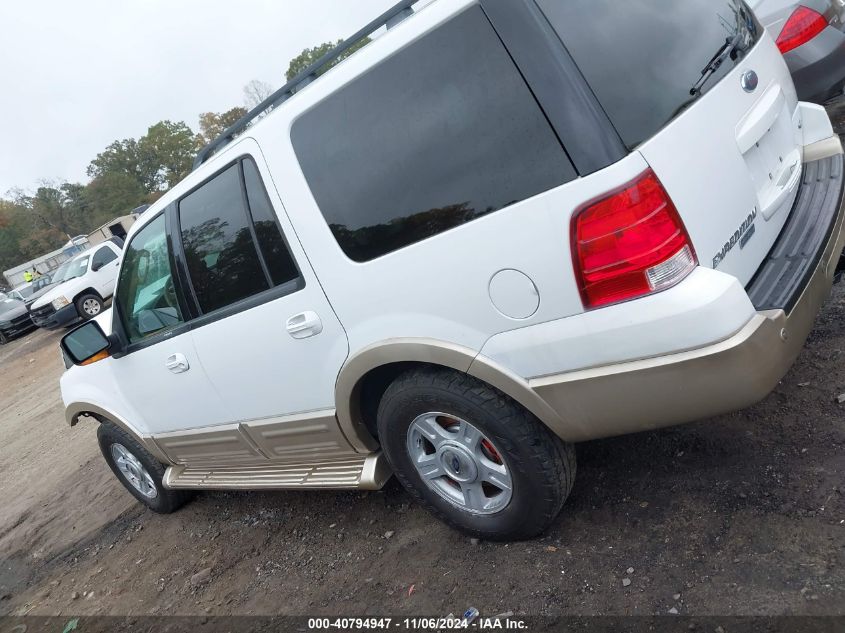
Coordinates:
(472,456)
(138,470)
(88,306)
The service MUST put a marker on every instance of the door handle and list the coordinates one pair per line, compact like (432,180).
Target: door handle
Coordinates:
(304,324)
(177,363)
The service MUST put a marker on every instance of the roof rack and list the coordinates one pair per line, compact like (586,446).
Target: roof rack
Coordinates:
(388,19)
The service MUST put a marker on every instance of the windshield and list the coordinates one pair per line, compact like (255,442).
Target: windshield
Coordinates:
(77,268)
(60,272)
(645,59)
(26,291)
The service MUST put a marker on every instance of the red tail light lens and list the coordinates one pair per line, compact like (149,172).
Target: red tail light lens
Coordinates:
(802,26)
(630,244)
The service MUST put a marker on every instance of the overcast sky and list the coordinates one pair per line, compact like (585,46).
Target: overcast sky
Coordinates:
(79,74)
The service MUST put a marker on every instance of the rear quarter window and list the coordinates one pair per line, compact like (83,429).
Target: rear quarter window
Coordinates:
(440,134)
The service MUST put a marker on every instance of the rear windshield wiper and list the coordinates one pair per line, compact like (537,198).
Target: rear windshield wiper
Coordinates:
(727,50)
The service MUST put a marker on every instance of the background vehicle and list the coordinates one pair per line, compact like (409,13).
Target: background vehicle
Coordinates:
(85,284)
(30,292)
(498,229)
(811,36)
(14,318)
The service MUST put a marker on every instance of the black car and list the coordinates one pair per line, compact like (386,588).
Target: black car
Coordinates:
(14,318)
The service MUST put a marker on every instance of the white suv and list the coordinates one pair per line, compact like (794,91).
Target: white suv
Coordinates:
(500,228)
(82,285)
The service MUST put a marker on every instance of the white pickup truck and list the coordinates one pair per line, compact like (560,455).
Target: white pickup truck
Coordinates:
(84,286)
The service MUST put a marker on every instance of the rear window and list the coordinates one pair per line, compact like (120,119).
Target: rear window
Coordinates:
(439,134)
(643,57)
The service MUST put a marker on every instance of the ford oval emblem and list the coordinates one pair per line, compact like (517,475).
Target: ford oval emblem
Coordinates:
(750,81)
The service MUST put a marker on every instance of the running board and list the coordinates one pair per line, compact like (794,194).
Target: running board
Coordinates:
(365,472)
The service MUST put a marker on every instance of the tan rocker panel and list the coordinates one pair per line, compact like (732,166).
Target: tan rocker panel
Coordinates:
(308,437)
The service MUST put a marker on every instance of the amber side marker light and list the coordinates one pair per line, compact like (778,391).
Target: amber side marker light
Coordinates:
(95,358)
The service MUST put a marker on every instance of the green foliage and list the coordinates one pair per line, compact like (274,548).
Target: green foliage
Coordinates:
(166,154)
(156,161)
(213,124)
(311,55)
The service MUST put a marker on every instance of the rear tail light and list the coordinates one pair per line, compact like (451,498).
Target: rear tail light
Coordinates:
(630,244)
(802,26)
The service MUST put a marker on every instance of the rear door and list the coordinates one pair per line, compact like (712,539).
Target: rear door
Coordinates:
(722,138)
(265,335)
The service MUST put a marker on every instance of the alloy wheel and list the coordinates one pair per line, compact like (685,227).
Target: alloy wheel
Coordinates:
(456,460)
(133,471)
(91,306)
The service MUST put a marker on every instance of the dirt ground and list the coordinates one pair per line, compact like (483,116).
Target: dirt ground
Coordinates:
(738,515)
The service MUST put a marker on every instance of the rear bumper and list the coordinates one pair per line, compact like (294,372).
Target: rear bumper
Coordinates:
(61,318)
(689,385)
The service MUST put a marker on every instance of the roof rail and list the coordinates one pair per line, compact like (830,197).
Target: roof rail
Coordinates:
(388,19)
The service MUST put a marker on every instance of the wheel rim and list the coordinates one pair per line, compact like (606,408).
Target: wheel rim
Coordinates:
(91,307)
(133,471)
(456,460)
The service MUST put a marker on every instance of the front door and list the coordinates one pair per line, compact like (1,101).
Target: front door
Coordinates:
(160,376)
(266,335)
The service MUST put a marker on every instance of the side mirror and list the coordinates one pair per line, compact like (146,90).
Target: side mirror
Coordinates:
(96,266)
(86,344)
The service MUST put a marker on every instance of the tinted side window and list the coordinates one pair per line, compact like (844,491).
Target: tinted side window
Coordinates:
(276,254)
(145,292)
(219,250)
(442,133)
(103,257)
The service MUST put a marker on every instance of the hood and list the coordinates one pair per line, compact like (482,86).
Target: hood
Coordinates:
(53,292)
(35,296)
(12,309)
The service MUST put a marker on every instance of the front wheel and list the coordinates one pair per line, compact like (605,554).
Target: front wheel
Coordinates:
(139,472)
(472,456)
(89,306)
(3,338)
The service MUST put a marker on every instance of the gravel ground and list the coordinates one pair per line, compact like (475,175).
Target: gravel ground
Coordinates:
(737,515)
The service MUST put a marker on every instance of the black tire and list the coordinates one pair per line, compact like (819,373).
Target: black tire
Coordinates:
(542,466)
(80,303)
(3,339)
(165,501)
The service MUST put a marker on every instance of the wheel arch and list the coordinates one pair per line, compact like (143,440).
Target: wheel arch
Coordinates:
(367,374)
(87,291)
(76,410)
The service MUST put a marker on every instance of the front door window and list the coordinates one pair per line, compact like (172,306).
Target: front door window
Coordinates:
(145,293)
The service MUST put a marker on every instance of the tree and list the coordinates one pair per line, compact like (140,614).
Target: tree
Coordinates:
(110,195)
(166,154)
(121,157)
(156,161)
(255,92)
(213,124)
(311,55)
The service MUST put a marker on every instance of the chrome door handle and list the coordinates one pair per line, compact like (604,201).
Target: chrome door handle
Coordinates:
(177,363)
(304,324)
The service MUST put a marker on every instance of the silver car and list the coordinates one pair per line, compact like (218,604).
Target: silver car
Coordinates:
(811,36)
